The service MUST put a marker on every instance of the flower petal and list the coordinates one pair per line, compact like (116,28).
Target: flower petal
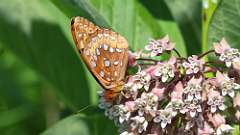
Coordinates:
(213,109)
(222,107)
(164,78)
(192,113)
(231,93)
(163,124)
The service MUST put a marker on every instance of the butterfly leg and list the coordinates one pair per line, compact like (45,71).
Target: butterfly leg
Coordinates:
(110,95)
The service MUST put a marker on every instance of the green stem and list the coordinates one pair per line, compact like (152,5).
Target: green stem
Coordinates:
(206,18)
(178,54)
(145,59)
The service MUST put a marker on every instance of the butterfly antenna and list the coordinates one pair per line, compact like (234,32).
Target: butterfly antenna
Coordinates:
(84,108)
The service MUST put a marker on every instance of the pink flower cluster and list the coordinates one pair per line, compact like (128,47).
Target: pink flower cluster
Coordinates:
(177,95)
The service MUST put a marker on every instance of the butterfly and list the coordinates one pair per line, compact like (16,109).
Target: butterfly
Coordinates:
(104,52)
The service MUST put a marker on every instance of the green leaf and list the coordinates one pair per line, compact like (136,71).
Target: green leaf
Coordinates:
(13,116)
(82,8)
(83,125)
(73,125)
(187,13)
(132,19)
(42,39)
(236,130)
(20,98)
(225,22)
(141,22)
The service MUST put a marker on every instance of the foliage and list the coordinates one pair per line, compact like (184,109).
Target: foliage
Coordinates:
(42,79)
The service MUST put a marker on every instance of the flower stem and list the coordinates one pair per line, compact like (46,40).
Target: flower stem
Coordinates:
(178,54)
(182,58)
(206,53)
(215,62)
(144,59)
(212,68)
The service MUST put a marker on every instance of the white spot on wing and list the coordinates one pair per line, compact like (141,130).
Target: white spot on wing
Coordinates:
(97,51)
(95,57)
(105,47)
(80,35)
(119,50)
(111,49)
(115,62)
(100,35)
(94,64)
(101,73)
(105,34)
(115,73)
(107,63)
(121,64)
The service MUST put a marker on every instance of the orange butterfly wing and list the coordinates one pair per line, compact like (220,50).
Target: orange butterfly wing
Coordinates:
(104,52)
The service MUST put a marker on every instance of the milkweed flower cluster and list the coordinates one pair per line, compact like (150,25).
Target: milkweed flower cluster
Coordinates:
(177,95)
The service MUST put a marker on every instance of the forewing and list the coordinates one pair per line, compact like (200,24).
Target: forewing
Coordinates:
(81,28)
(105,54)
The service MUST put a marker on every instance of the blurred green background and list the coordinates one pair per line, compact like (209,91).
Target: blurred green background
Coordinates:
(44,86)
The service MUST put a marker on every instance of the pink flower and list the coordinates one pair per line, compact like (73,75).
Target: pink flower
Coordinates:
(165,70)
(236,66)
(130,105)
(130,90)
(222,77)
(237,115)
(175,105)
(193,89)
(215,100)
(216,119)
(162,92)
(139,124)
(193,65)
(141,80)
(159,46)
(164,117)
(122,112)
(208,85)
(227,54)
(206,130)
(221,47)
(224,129)
(166,44)
(150,70)
(147,104)
(236,100)
(127,133)
(226,84)
(131,59)
(178,91)
(158,92)
(192,108)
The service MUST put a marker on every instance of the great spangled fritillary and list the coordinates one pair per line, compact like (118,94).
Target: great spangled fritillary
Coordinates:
(104,52)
